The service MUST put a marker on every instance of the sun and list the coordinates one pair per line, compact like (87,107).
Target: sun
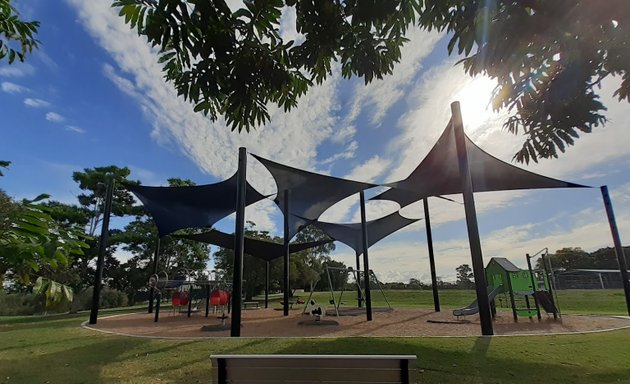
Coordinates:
(474,98)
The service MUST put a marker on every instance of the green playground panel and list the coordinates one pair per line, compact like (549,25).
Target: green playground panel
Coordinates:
(526,312)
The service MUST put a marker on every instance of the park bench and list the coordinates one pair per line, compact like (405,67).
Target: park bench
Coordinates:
(250,305)
(303,369)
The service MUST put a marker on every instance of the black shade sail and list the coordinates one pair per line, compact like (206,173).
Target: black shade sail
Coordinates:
(438,174)
(198,206)
(310,194)
(262,249)
(352,235)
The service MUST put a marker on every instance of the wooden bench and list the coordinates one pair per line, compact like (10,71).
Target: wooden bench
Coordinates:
(250,304)
(303,369)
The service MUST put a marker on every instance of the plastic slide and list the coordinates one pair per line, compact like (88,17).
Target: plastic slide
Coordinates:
(544,300)
(473,308)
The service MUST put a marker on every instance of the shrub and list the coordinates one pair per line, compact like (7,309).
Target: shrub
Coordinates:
(110,298)
(21,304)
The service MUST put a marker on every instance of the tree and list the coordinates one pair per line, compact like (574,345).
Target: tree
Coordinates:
(94,182)
(548,57)
(33,240)
(465,276)
(4,164)
(338,278)
(606,258)
(234,63)
(577,258)
(16,36)
(568,258)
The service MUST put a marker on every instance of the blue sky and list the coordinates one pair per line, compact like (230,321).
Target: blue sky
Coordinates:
(93,95)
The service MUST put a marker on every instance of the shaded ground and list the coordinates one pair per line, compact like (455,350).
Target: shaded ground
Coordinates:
(400,322)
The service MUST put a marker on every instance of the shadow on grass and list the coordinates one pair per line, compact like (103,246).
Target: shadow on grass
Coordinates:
(477,364)
(80,364)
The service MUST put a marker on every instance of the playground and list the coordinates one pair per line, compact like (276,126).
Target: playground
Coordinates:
(404,322)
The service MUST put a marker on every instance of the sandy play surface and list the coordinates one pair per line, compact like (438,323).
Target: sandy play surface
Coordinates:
(399,322)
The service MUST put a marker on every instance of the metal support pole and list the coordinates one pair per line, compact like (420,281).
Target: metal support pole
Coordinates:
(427,220)
(366,266)
(189,311)
(512,300)
(358,279)
(102,248)
(207,299)
(156,257)
(239,246)
(285,275)
(485,315)
(267,285)
(621,259)
(158,301)
(533,280)
(552,284)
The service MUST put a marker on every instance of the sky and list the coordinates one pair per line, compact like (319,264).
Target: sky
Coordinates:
(93,95)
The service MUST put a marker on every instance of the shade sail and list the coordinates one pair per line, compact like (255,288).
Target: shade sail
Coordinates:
(198,206)
(261,249)
(438,174)
(352,235)
(310,194)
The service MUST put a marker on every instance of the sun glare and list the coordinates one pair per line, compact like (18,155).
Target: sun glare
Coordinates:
(474,99)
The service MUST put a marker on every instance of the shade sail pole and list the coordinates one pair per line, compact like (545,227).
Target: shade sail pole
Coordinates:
(267,284)
(285,275)
(239,243)
(358,278)
(102,247)
(485,315)
(621,259)
(156,258)
(366,266)
(427,220)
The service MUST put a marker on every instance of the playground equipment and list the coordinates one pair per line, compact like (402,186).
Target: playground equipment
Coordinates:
(336,301)
(186,293)
(524,288)
(519,285)
(473,307)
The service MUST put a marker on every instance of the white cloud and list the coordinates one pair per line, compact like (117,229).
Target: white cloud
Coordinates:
(55,117)
(36,103)
(380,95)
(290,138)
(17,69)
(13,88)
(75,129)
(348,153)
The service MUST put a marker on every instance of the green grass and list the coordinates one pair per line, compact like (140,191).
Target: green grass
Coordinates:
(58,351)
(54,349)
(584,301)
(593,301)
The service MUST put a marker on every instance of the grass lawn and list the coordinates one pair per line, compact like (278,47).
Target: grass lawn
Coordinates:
(55,349)
(58,351)
(585,301)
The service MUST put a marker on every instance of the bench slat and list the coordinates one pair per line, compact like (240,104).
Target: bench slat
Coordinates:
(314,375)
(314,363)
(302,369)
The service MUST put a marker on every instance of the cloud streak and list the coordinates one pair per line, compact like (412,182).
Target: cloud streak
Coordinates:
(12,88)
(55,117)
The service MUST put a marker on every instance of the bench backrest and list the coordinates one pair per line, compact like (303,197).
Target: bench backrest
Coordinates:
(302,369)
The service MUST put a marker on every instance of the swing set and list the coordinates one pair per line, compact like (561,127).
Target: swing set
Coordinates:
(336,302)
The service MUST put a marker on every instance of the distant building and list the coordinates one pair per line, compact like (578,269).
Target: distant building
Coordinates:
(588,279)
